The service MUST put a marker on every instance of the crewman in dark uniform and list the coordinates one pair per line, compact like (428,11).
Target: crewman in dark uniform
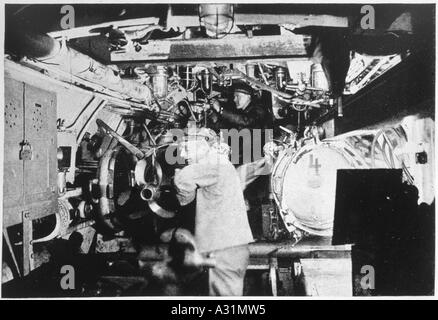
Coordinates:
(247,113)
(250,113)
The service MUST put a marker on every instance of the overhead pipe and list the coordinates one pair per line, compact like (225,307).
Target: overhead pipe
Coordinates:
(57,54)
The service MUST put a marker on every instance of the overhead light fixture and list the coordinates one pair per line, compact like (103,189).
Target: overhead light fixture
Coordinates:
(218,19)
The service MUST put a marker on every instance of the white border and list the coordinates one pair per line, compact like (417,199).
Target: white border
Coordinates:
(261,298)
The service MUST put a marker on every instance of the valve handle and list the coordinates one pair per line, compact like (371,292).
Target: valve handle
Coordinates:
(130,147)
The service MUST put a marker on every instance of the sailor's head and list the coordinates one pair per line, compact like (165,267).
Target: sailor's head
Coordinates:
(197,144)
(242,95)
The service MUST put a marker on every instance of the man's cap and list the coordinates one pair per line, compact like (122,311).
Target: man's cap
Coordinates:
(243,88)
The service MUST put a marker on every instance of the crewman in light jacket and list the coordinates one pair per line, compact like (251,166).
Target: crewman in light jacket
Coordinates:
(222,230)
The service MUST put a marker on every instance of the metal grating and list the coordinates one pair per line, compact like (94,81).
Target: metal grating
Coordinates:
(37,117)
(11,115)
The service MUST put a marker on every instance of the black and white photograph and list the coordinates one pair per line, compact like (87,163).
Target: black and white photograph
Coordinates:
(200,150)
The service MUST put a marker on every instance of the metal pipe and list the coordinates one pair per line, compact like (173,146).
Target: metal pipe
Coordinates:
(276,250)
(206,81)
(149,193)
(286,96)
(340,108)
(57,54)
(263,86)
(61,182)
(129,146)
(264,250)
(280,78)
(159,82)
(262,73)
(151,138)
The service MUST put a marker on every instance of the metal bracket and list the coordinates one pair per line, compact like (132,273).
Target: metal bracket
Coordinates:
(28,255)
